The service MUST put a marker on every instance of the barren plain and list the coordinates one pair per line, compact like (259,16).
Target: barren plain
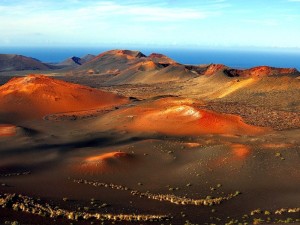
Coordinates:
(127,138)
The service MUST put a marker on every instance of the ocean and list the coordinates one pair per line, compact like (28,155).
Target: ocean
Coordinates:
(231,58)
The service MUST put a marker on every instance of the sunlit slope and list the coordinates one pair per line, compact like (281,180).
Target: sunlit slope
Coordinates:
(277,90)
(133,67)
(180,117)
(35,96)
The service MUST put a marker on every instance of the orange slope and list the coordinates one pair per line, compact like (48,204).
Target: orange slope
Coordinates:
(7,130)
(181,117)
(35,96)
(104,163)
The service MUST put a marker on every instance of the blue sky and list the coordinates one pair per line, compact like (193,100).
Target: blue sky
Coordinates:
(160,23)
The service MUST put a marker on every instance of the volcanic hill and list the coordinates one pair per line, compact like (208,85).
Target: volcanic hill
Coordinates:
(11,62)
(179,117)
(77,61)
(35,96)
(132,67)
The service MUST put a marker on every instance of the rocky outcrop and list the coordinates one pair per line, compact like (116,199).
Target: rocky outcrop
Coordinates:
(214,68)
(261,71)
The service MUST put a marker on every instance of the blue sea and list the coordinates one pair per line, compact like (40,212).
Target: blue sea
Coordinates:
(230,57)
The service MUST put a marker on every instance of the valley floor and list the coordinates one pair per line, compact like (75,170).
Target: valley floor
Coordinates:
(78,170)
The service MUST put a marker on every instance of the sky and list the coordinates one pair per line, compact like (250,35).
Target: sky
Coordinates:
(160,23)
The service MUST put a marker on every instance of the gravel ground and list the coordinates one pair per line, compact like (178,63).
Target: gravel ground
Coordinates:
(259,116)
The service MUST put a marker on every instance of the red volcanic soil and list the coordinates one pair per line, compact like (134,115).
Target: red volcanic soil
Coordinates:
(213,68)
(106,156)
(161,59)
(179,118)
(35,96)
(127,54)
(240,150)
(103,163)
(7,130)
(261,71)
(192,144)
(147,66)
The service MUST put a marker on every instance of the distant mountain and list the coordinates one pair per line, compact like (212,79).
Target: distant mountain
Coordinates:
(12,62)
(73,61)
(87,58)
(113,61)
(128,67)
(131,67)
(76,61)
